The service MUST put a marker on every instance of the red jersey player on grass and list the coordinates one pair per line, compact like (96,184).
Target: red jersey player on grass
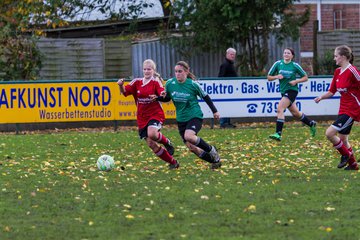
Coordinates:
(346,81)
(150,115)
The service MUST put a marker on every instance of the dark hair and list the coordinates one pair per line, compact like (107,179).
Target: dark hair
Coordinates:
(344,50)
(291,50)
(185,65)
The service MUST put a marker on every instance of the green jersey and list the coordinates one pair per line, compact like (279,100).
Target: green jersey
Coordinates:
(185,98)
(289,71)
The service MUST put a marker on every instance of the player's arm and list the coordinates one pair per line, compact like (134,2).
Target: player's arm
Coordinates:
(164,95)
(163,98)
(272,78)
(302,79)
(303,76)
(273,73)
(211,105)
(120,82)
(324,96)
(332,89)
(299,80)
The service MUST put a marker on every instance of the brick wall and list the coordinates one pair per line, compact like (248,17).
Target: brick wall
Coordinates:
(350,14)
(350,20)
(307,31)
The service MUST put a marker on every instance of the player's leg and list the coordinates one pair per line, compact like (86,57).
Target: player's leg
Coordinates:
(155,147)
(344,137)
(192,128)
(196,144)
(303,118)
(283,104)
(343,126)
(154,133)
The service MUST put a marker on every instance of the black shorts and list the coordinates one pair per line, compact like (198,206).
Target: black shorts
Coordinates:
(193,124)
(343,124)
(152,123)
(291,95)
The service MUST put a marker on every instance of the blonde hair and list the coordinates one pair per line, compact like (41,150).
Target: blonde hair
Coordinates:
(346,51)
(152,64)
(185,65)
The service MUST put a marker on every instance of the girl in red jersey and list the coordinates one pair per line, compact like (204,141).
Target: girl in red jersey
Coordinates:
(150,115)
(346,81)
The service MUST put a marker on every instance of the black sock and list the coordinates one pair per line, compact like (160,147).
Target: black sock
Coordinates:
(203,145)
(206,157)
(279,125)
(306,120)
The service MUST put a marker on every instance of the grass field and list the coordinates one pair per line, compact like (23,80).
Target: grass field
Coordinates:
(50,187)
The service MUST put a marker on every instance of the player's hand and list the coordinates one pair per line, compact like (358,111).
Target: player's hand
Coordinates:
(317,99)
(292,83)
(163,94)
(120,82)
(153,97)
(217,115)
(280,76)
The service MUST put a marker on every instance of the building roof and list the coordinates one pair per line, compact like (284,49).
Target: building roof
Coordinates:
(104,28)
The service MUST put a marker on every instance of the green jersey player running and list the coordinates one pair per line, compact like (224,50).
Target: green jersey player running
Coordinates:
(184,91)
(287,71)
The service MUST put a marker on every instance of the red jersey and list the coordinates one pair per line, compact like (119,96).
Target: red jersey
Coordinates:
(347,83)
(146,108)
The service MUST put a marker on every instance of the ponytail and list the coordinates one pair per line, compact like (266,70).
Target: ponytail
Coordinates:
(157,75)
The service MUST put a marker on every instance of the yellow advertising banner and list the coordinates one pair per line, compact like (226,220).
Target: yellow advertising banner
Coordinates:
(57,101)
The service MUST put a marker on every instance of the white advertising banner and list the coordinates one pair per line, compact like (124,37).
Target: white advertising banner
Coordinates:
(257,97)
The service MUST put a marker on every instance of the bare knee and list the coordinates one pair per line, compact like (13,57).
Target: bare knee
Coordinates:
(331,134)
(190,137)
(153,134)
(152,144)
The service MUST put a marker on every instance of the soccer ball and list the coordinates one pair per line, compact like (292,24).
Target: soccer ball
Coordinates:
(105,163)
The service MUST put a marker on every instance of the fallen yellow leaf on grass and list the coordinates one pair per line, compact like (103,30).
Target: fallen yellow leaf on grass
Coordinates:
(329,209)
(250,208)
(204,197)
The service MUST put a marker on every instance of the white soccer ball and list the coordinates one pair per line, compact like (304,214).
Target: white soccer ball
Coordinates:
(105,163)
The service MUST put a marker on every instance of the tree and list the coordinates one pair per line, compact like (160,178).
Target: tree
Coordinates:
(22,20)
(166,6)
(206,25)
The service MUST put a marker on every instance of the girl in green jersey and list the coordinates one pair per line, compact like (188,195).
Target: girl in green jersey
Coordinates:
(287,71)
(184,93)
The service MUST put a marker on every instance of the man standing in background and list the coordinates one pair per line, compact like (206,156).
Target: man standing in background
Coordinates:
(227,69)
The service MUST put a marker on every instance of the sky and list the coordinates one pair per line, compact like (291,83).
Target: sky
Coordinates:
(155,11)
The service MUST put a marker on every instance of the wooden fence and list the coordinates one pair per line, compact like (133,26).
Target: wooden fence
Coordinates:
(328,41)
(99,58)
(77,59)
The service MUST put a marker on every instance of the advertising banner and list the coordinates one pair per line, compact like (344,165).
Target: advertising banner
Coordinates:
(56,102)
(259,97)
(60,101)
